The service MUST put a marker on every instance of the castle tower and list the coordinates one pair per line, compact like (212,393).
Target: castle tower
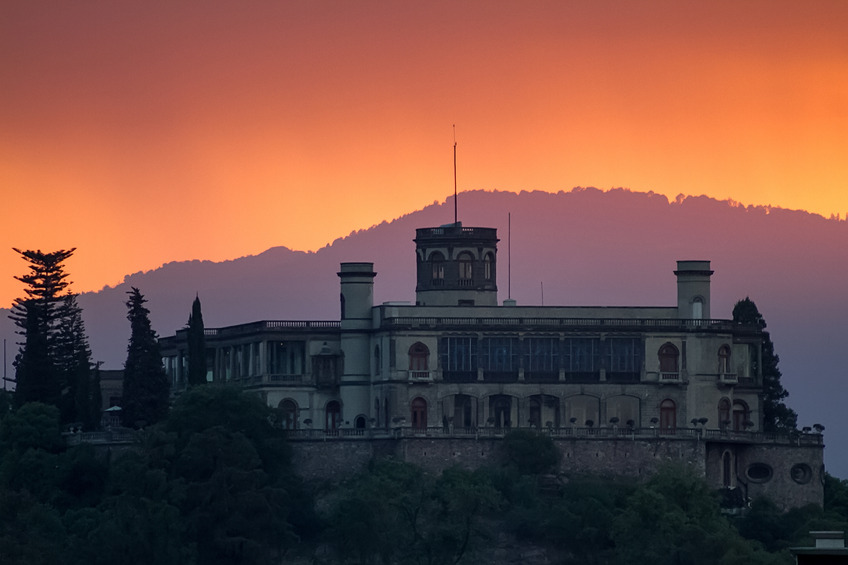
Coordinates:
(456,266)
(693,289)
(357,299)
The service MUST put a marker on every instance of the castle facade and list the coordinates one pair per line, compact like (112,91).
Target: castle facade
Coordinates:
(621,388)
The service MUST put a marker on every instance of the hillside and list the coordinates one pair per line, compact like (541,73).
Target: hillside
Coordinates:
(583,247)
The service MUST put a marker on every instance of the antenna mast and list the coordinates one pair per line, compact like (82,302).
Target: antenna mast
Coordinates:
(509,255)
(455,218)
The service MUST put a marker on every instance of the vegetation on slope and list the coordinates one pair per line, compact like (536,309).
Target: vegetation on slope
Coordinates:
(214,483)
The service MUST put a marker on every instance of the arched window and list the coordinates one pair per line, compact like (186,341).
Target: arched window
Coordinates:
(500,408)
(377,360)
(418,409)
(582,409)
(723,413)
(465,269)
(698,308)
(488,271)
(625,408)
(668,415)
(359,422)
(464,411)
(740,416)
(544,411)
(437,268)
(669,368)
(726,470)
(724,360)
(419,361)
(288,413)
(332,416)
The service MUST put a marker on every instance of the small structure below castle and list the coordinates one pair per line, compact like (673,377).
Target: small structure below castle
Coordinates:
(621,389)
(829,549)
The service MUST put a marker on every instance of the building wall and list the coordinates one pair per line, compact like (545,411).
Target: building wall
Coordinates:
(357,373)
(639,458)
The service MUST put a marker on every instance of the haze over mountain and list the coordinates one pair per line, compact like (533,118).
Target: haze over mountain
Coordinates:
(583,247)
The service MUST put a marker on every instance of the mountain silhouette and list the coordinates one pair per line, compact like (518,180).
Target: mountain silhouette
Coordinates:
(582,247)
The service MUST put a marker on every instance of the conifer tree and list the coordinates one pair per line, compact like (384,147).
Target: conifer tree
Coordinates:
(35,374)
(81,395)
(39,318)
(196,346)
(146,386)
(777,416)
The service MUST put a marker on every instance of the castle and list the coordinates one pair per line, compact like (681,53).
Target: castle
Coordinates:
(620,389)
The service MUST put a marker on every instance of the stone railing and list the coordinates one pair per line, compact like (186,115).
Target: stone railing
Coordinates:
(126,436)
(634,324)
(603,433)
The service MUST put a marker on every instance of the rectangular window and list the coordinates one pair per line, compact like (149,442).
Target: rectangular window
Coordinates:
(582,358)
(499,357)
(541,358)
(286,357)
(458,358)
(624,358)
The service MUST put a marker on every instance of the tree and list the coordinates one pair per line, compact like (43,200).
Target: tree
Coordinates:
(532,453)
(405,515)
(54,362)
(37,315)
(146,388)
(673,518)
(777,417)
(35,373)
(44,285)
(196,346)
(81,396)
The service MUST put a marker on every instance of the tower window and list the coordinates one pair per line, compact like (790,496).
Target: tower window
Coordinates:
(487,267)
(465,269)
(437,268)
(698,308)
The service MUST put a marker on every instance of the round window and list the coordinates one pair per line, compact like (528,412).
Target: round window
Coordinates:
(759,473)
(801,473)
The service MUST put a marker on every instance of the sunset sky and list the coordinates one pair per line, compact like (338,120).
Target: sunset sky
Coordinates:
(142,132)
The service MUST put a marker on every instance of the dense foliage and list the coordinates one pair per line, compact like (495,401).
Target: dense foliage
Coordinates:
(777,416)
(214,483)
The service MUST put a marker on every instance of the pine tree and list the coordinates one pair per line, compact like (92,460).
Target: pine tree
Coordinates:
(777,416)
(44,285)
(39,318)
(72,354)
(146,387)
(196,346)
(35,374)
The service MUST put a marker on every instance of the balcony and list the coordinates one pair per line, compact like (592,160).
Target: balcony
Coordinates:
(670,377)
(728,378)
(420,376)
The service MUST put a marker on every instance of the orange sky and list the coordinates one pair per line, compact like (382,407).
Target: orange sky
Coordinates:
(143,132)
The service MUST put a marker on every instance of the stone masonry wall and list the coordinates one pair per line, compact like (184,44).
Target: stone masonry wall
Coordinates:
(339,459)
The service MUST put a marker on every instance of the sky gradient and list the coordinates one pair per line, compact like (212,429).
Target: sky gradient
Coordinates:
(147,132)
